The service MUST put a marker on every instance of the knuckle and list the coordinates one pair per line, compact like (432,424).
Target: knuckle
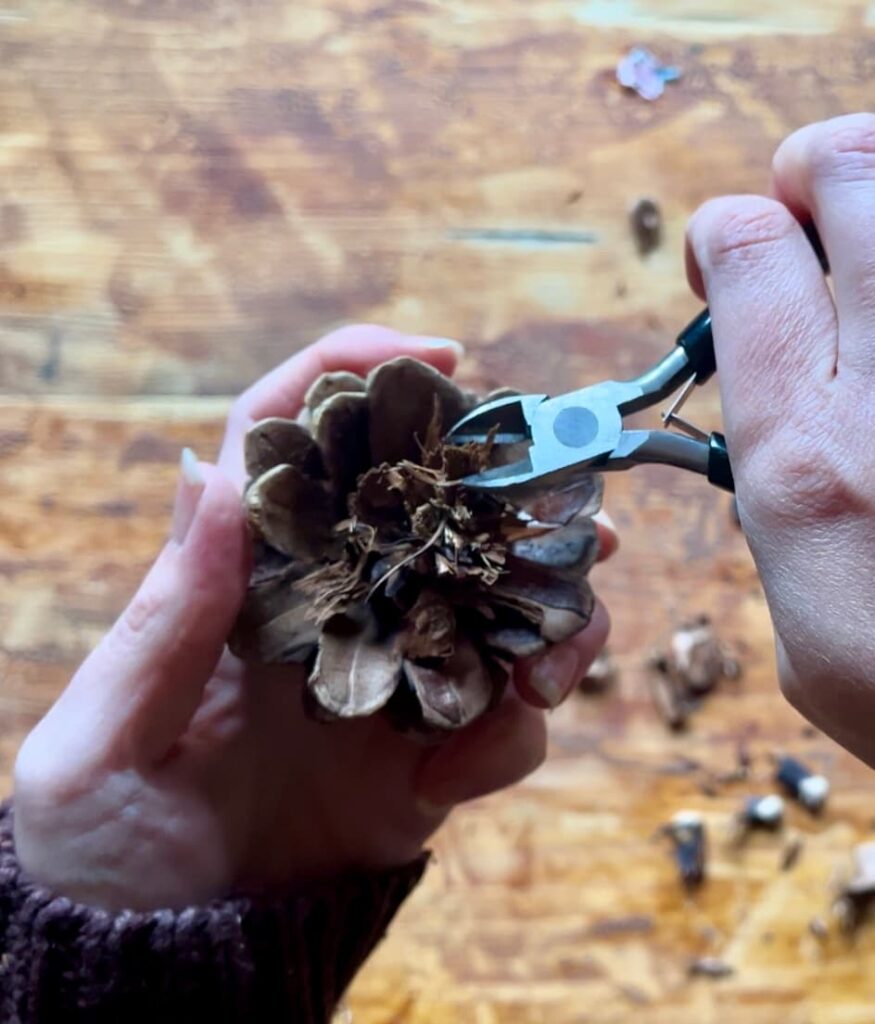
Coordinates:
(743,230)
(844,149)
(803,479)
(140,617)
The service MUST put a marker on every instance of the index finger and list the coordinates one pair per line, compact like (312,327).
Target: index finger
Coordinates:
(281,392)
(774,320)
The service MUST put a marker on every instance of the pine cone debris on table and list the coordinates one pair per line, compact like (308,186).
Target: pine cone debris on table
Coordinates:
(693,664)
(400,588)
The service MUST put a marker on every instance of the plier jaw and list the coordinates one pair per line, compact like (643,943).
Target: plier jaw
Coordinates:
(506,420)
(550,443)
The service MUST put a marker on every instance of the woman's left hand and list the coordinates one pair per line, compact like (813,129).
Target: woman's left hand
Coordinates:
(170,773)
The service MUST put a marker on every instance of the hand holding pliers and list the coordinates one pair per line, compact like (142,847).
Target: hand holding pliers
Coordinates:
(554,442)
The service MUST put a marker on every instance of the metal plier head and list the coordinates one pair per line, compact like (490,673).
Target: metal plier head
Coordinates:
(554,442)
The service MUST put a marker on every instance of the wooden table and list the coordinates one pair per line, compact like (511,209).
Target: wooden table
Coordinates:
(190,190)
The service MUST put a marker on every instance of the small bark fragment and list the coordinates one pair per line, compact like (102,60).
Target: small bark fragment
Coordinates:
(791,852)
(857,895)
(431,629)
(645,219)
(695,657)
(672,707)
(692,666)
(710,967)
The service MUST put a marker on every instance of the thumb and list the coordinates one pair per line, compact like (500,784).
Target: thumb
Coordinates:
(138,690)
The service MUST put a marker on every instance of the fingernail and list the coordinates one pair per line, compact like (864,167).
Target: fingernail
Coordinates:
(456,346)
(602,517)
(554,674)
(188,492)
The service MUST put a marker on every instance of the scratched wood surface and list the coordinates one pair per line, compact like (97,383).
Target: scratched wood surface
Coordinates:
(190,190)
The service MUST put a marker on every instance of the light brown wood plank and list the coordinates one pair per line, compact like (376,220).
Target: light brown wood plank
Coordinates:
(190,191)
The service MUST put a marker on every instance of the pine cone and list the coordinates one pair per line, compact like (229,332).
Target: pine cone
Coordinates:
(401,588)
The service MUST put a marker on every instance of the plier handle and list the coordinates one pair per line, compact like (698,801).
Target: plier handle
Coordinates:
(554,442)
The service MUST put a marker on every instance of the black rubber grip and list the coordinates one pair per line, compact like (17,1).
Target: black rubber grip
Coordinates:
(719,469)
(697,341)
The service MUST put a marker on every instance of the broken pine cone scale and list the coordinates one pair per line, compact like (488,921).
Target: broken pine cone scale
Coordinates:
(395,585)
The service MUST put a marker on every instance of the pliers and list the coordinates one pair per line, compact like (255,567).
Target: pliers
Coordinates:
(555,442)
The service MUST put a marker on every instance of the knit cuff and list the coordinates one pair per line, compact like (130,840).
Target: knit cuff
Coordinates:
(231,960)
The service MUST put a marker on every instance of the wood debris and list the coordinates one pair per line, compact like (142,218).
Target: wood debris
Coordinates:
(694,663)
(710,967)
(645,220)
(856,896)
(791,852)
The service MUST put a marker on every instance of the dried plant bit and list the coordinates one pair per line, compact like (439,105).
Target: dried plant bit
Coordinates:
(418,592)
(687,832)
(791,852)
(695,656)
(802,784)
(691,667)
(710,967)
(856,897)
(672,707)
(645,220)
(600,676)
(741,771)
(431,629)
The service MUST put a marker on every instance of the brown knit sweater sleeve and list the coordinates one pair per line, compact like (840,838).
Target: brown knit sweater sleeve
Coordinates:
(232,960)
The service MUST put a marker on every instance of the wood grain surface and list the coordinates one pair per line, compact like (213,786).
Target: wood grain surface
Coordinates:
(191,190)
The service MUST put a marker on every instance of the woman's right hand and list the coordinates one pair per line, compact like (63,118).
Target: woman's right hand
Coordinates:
(797,373)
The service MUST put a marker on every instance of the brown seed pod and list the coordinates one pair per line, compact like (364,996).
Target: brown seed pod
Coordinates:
(399,587)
